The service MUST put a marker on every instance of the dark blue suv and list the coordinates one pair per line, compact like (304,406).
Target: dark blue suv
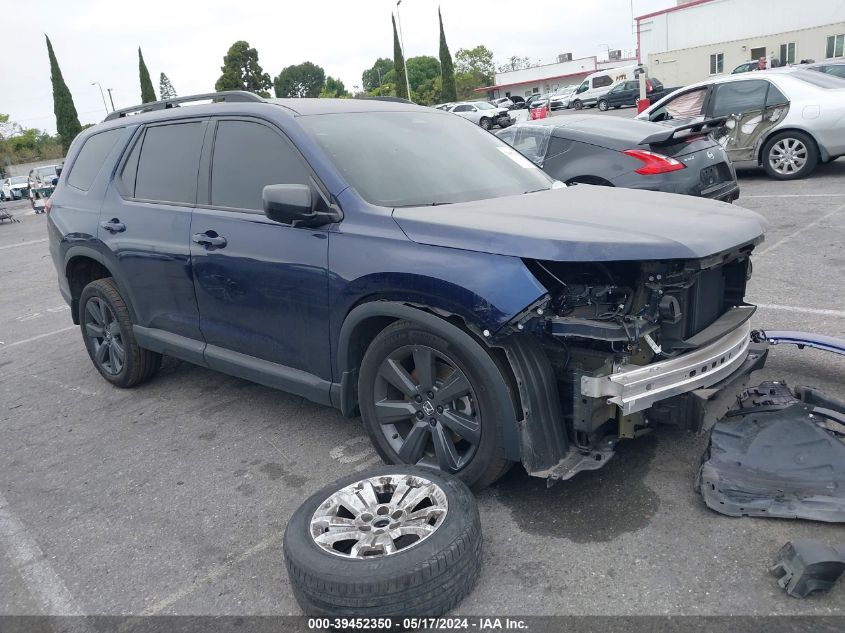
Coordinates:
(400,262)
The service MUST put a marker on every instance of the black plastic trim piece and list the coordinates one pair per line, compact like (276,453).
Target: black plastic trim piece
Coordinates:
(175,345)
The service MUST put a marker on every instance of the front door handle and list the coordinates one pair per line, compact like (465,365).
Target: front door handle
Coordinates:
(113,226)
(209,240)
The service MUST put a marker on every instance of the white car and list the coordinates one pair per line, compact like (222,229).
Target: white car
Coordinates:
(482,113)
(502,102)
(560,99)
(14,188)
(787,120)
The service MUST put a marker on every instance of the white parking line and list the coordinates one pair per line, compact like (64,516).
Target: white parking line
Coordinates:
(795,234)
(800,195)
(33,567)
(36,338)
(3,248)
(800,310)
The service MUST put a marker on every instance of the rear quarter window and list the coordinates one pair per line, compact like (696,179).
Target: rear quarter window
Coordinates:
(91,157)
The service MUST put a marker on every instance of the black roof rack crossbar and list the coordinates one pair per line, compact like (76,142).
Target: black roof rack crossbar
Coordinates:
(229,96)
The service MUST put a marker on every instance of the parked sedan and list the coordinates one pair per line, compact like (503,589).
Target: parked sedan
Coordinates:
(560,99)
(598,150)
(786,120)
(14,188)
(482,113)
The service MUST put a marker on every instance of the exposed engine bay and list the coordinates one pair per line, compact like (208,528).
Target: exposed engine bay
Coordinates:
(629,342)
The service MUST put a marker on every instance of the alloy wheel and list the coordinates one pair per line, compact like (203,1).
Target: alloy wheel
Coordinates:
(788,156)
(103,330)
(426,408)
(379,516)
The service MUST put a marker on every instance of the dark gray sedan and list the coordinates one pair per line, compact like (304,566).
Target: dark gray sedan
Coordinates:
(616,152)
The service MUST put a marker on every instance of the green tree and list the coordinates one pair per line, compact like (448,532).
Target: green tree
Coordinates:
(19,145)
(398,63)
(447,69)
(147,92)
(514,63)
(422,69)
(474,69)
(429,92)
(334,88)
(241,71)
(300,80)
(374,77)
(67,121)
(165,88)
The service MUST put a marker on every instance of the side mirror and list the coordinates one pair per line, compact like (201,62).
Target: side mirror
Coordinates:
(294,205)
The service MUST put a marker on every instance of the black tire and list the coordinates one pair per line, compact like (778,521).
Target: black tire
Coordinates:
(603,105)
(425,579)
(479,458)
(577,104)
(795,145)
(102,299)
(485,123)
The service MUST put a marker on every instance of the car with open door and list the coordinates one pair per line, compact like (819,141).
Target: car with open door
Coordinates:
(786,120)
(616,152)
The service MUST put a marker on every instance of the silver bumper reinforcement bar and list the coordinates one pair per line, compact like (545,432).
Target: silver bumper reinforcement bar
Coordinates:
(636,387)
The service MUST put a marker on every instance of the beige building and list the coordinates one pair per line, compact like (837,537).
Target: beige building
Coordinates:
(694,40)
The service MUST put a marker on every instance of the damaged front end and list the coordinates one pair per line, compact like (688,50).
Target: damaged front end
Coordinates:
(627,344)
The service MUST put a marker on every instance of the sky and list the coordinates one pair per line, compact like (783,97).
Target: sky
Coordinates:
(98,40)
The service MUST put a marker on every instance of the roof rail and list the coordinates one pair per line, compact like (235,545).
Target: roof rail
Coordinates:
(387,98)
(229,96)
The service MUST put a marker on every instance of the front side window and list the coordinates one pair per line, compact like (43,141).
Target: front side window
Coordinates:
(835,46)
(168,163)
(739,97)
(404,159)
(717,63)
(247,157)
(583,87)
(684,106)
(91,157)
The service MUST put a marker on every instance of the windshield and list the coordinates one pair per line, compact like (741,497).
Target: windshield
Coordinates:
(17,180)
(45,171)
(483,106)
(404,159)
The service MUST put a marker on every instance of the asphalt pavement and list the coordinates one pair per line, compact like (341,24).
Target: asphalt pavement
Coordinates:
(172,498)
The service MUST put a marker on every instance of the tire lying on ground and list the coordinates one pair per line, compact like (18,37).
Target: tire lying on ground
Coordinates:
(393,541)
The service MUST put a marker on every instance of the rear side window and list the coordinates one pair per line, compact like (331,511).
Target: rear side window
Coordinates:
(738,97)
(602,81)
(168,163)
(775,97)
(247,157)
(91,158)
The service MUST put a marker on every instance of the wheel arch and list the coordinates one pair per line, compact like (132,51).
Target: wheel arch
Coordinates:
(83,265)
(366,320)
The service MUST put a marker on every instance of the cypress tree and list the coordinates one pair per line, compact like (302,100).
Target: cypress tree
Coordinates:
(165,88)
(398,63)
(447,70)
(147,92)
(67,121)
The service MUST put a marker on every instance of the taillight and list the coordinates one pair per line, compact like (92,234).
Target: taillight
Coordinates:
(48,205)
(653,163)
(648,85)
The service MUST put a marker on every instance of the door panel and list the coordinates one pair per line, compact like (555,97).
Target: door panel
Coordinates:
(263,290)
(754,107)
(148,239)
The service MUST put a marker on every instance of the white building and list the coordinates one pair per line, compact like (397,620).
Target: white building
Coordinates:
(699,38)
(550,77)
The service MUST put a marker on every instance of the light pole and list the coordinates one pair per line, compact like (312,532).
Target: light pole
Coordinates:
(111,99)
(402,45)
(97,83)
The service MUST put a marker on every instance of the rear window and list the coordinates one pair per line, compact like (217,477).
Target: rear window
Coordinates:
(168,163)
(91,158)
(821,80)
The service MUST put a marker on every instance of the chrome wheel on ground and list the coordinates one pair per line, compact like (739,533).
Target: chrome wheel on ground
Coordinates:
(390,542)
(379,516)
(789,155)
(603,105)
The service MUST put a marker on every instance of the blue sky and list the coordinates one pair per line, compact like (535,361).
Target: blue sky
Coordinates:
(97,40)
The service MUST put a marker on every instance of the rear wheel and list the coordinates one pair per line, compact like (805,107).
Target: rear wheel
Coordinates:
(424,401)
(603,105)
(790,155)
(109,339)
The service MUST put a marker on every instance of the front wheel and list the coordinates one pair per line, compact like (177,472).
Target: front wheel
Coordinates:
(486,124)
(109,339)
(790,155)
(426,400)
(577,105)
(603,105)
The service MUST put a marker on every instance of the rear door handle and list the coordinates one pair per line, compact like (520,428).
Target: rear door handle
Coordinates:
(209,240)
(113,226)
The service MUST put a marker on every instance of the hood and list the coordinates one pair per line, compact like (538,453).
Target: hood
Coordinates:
(586,223)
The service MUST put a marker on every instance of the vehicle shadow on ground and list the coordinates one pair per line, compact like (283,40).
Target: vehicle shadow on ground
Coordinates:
(594,506)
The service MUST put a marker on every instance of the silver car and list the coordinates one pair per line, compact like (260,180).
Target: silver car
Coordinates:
(560,99)
(482,113)
(787,120)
